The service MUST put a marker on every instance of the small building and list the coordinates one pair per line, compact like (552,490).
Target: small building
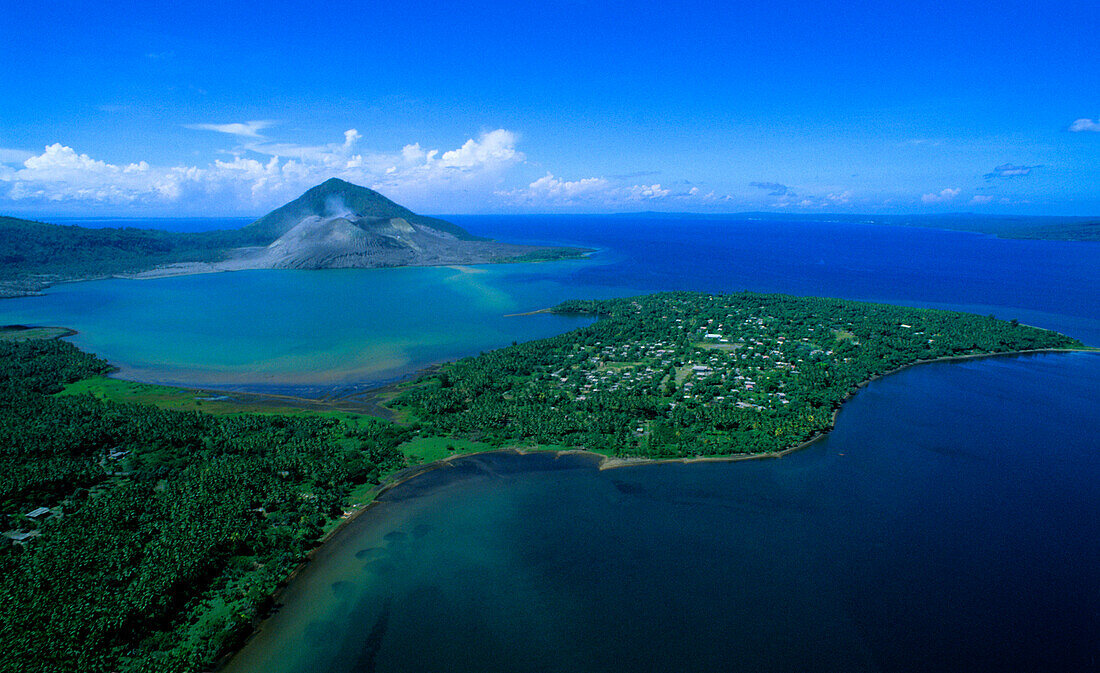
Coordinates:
(39,514)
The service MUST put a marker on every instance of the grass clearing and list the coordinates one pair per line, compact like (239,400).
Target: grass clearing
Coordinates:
(428,449)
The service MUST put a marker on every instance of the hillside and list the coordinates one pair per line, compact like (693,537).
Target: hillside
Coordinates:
(333,225)
(340,225)
(35,255)
(338,197)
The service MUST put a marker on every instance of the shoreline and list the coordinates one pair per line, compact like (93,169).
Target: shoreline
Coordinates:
(609,463)
(65,332)
(535,312)
(603,462)
(36,287)
(613,463)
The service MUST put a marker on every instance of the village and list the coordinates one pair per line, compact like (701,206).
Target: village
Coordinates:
(743,360)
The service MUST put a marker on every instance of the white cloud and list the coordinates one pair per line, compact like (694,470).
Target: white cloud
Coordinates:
(647,192)
(242,129)
(832,199)
(1085,125)
(351,136)
(595,194)
(551,188)
(494,147)
(944,195)
(60,174)
(413,154)
(263,175)
(981,199)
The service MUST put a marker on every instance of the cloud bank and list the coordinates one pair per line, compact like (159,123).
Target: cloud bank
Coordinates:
(484,173)
(260,174)
(943,196)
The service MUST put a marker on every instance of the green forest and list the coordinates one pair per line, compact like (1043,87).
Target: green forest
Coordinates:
(687,374)
(139,538)
(167,531)
(36,254)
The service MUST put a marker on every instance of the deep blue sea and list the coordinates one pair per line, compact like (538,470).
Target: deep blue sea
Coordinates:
(312,332)
(951,522)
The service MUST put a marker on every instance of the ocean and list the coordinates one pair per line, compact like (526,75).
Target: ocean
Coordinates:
(949,523)
(310,333)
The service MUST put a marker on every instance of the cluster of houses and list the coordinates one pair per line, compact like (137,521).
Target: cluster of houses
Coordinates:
(740,360)
(37,516)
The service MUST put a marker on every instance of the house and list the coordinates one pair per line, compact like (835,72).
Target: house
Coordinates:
(39,514)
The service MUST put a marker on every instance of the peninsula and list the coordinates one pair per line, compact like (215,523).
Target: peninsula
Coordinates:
(333,225)
(686,374)
(139,536)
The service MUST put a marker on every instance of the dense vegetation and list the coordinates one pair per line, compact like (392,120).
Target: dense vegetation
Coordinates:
(158,535)
(35,253)
(168,531)
(686,374)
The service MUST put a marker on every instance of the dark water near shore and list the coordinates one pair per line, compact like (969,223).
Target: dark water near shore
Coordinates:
(949,523)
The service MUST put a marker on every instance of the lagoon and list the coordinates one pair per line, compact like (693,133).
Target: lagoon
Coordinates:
(948,523)
(311,333)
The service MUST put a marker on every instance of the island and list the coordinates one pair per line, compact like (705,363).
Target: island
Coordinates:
(143,536)
(1025,227)
(333,225)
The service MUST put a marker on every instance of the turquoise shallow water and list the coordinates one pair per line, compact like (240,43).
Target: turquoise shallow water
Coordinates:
(925,533)
(311,332)
(261,330)
(949,523)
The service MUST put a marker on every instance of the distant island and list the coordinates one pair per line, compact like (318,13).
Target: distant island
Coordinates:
(1030,227)
(333,225)
(146,528)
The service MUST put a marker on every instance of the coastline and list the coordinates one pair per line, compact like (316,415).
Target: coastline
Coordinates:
(613,463)
(608,462)
(62,332)
(36,287)
(603,462)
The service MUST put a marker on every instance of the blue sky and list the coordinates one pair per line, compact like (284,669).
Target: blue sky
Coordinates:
(113,108)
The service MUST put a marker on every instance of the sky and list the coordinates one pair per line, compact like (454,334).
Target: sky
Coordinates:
(232,108)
